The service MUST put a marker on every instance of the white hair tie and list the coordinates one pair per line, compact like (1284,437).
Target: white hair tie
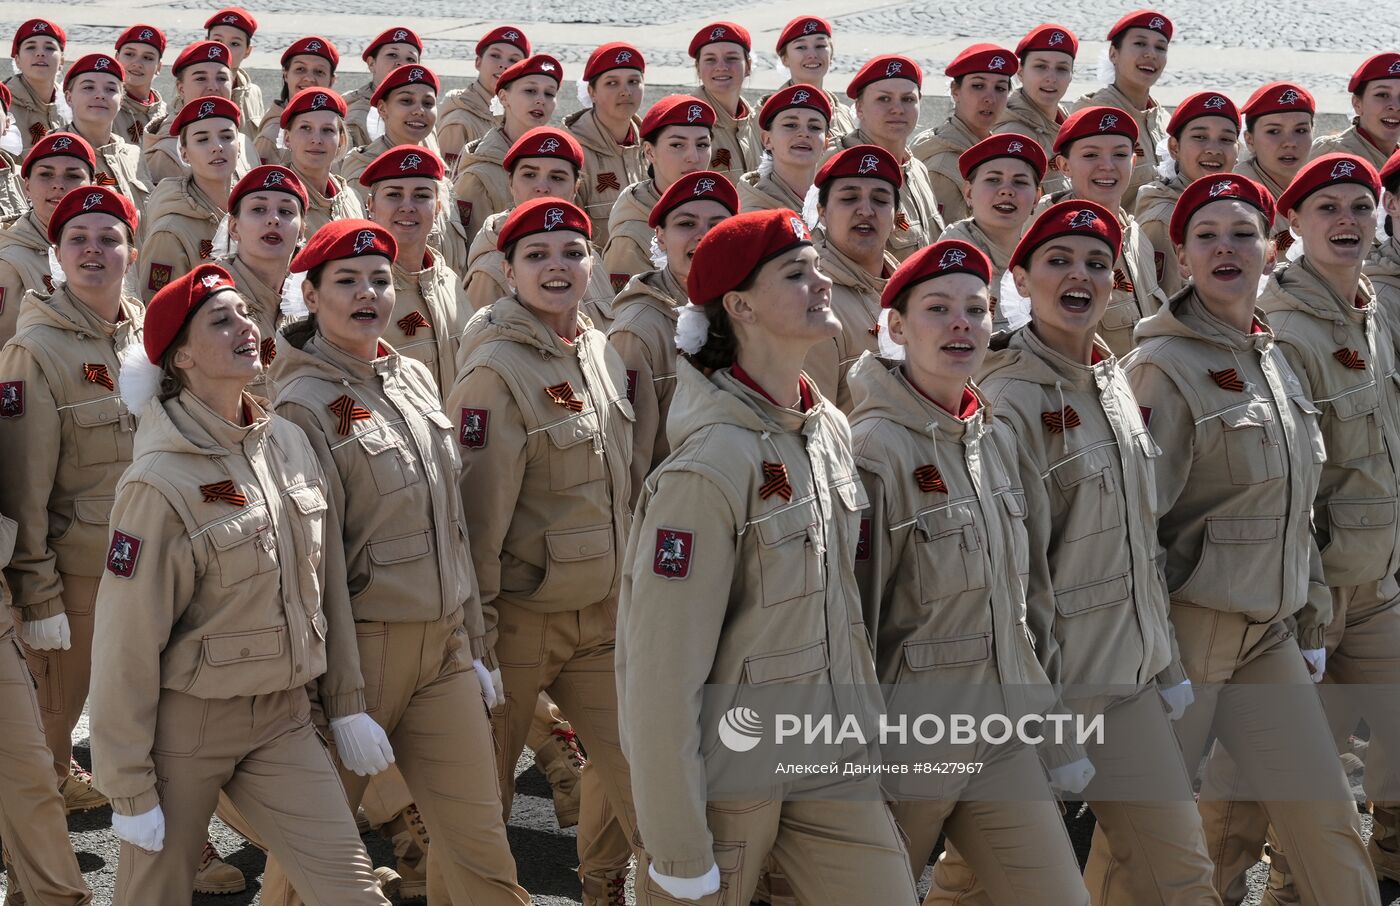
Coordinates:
(293,306)
(223,245)
(888,347)
(497,108)
(1106,73)
(374,124)
(584,100)
(1013,307)
(810,203)
(138,378)
(692,329)
(657,254)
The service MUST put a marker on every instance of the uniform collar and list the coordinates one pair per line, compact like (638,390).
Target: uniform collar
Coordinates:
(356,368)
(215,428)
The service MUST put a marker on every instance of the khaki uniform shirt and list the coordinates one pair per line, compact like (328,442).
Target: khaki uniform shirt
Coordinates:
(968,231)
(483,186)
(1152,132)
(336,202)
(1024,117)
(608,167)
(119,167)
(8,530)
(628,250)
(1383,270)
(265,310)
(1352,141)
(1282,238)
(486,277)
(265,140)
(179,226)
(940,149)
(160,153)
(357,108)
(24,266)
(33,117)
(916,221)
(464,115)
(428,322)
(249,98)
(13,200)
(134,116)
(1155,203)
(855,299)
(759,191)
(737,147)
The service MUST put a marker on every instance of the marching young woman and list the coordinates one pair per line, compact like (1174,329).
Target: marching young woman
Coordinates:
(941,473)
(1046,55)
(465,114)
(1002,176)
(1375,99)
(1202,140)
(234,28)
(92,86)
(805,47)
(981,84)
(37,108)
(139,50)
(202,70)
(1138,54)
(721,51)
(313,128)
(1383,264)
(1278,131)
(406,104)
(609,130)
(677,136)
(721,513)
(392,48)
(309,62)
(184,212)
(1242,458)
(795,125)
(887,91)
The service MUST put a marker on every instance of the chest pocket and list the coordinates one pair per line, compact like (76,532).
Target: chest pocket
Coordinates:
(101,434)
(310,503)
(790,553)
(1013,503)
(949,552)
(392,464)
(244,546)
(1252,444)
(1308,426)
(1086,485)
(1354,431)
(575,451)
(444,437)
(1121,313)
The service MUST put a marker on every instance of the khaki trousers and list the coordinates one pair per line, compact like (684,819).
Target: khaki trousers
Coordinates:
(32,820)
(61,677)
(263,752)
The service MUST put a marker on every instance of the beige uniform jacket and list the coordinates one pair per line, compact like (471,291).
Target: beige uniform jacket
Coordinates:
(940,149)
(483,186)
(356,160)
(486,277)
(628,250)
(33,117)
(357,114)
(843,116)
(160,153)
(265,310)
(1383,270)
(737,147)
(336,202)
(608,167)
(464,115)
(265,140)
(1242,454)
(428,321)
(1155,203)
(1345,358)
(546,436)
(729,583)
(119,166)
(13,200)
(24,266)
(8,530)
(178,225)
(1351,141)
(759,191)
(1097,602)
(855,299)
(68,444)
(392,479)
(134,116)
(1283,239)
(968,231)
(916,221)
(213,583)
(1152,132)
(1024,117)
(249,98)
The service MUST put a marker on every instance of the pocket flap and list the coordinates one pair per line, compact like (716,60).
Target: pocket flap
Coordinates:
(1120,315)
(1015,502)
(947,652)
(785,523)
(949,520)
(376,439)
(579,544)
(1242,530)
(103,411)
(574,431)
(852,494)
(440,419)
(308,499)
(1082,466)
(786,665)
(1305,404)
(256,645)
(1356,402)
(1359,514)
(93,510)
(1092,597)
(239,530)
(728,856)
(1248,416)
(400,549)
(627,411)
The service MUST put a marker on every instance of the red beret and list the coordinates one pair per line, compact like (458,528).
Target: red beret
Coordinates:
(720,32)
(1142,18)
(541,64)
(545,141)
(885,67)
(94,62)
(6,98)
(1095,121)
(396,35)
(677,110)
(861,162)
(794,96)
(403,162)
(542,215)
(59,144)
(314,46)
(983,58)
(238,18)
(93,200)
(731,252)
(702,184)
(1049,37)
(205,109)
(38,28)
(1279,97)
(947,256)
(1003,144)
(1199,105)
(309,100)
(1381,66)
(202,52)
(268,178)
(412,74)
(1390,173)
(142,34)
(176,302)
(614,55)
(1218,188)
(1328,170)
(801,27)
(506,34)
(341,239)
(1073,217)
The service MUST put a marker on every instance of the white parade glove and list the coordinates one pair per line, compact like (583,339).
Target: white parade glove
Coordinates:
(48,633)
(687,888)
(146,831)
(1072,777)
(1317,662)
(490,684)
(362,745)
(1178,698)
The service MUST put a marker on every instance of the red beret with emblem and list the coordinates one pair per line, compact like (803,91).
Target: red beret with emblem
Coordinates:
(802,27)
(1279,97)
(310,100)
(987,58)
(240,19)
(947,256)
(268,178)
(93,200)
(1093,121)
(395,35)
(545,141)
(205,109)
(404,76)
(142,34)
(1142,18)
(506,34)
(312,45)
(1381,66)
(677,110)
(1003,144)
(720,33)
(94,62)
(1390,173)
(542,215)
(861,162)
(173,305)
(1049,37)
(738,246)
(1069,218)
(614,55)
(38,28)
(806,96)
(541,64)
(401,162)
(1224,187)
(341,239)
(59,144)
(885,67)
(1328,170)
(202,52)
(702,184)
(1200,105)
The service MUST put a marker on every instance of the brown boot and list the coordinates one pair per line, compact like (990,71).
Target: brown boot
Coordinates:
(561,760)
(609,889)
(216,876)
(79,795)
(409,835)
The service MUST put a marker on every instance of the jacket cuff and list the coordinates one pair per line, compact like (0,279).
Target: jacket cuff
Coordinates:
(684,868)
(1057,755)
(343,705)
(42,611)
(484,652)
(1173,675)
(1311,637)
(136,805)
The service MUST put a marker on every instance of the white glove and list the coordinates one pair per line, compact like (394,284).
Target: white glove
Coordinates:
(146,831)
(1317,662)
(491,684)
(48,633)
(1072,777)
(687,888)
(362,745)
(1178,698)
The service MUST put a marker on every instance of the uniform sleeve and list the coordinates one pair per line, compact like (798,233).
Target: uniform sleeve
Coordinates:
(623,255)
(482,289)
(452,138)
(31,444)
(162,259)
(158,165)
(12,290)
(470,190)
(823,365)
(636,359)
(948,196)
(874,552)
(1158,246)
(1169,420)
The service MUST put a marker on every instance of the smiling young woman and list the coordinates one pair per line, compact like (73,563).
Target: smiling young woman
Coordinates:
(37,50)
(313,129)
(465,115)
(139,50)
(609,130)
(406,102)
(202,71)
(1278,133)
(721,51)
(308,62)
(93,89)
(1375,99)
(1047,54)
(795,126)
